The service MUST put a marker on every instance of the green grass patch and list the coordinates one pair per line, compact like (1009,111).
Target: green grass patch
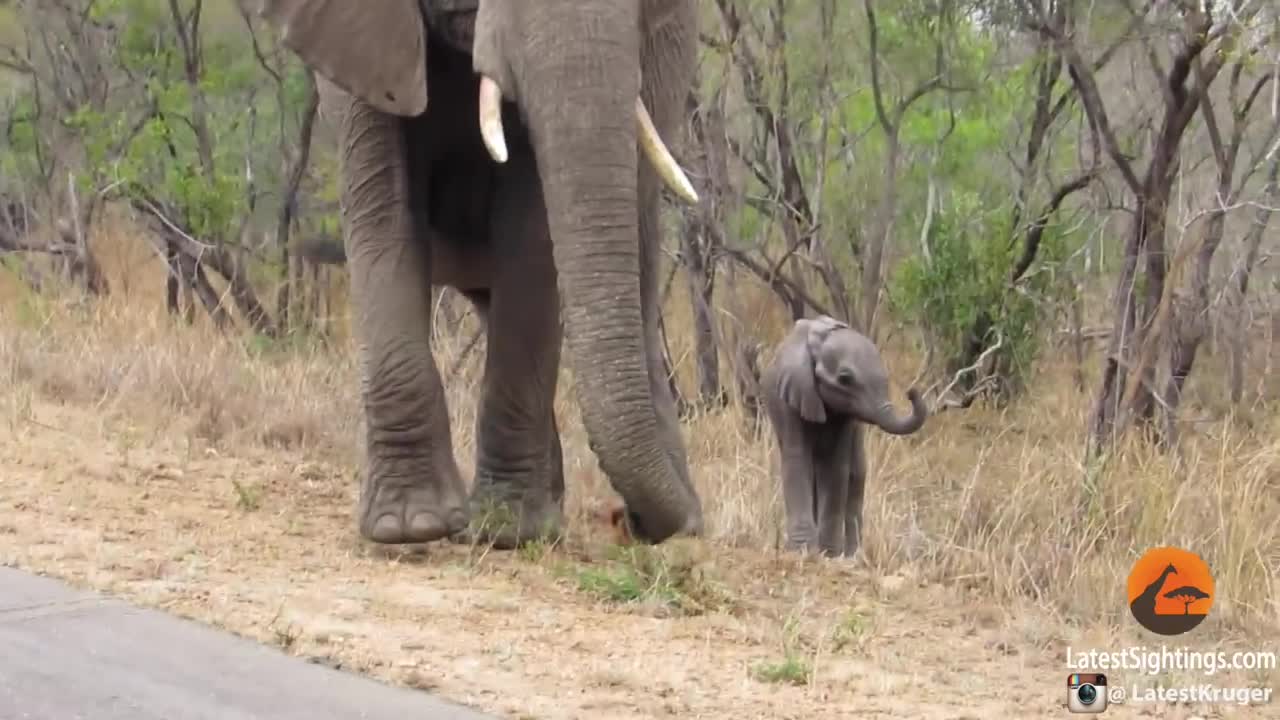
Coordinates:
(641,575)
(852,631)
(788,671)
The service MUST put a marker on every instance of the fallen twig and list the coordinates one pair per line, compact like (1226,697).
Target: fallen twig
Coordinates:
(939,405)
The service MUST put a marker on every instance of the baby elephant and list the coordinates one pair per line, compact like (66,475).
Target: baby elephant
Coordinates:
(824,382)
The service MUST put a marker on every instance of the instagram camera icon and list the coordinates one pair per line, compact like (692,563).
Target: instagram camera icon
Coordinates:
(1086,692)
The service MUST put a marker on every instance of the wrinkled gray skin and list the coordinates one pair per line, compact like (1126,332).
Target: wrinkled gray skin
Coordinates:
(569,223)
(826,381)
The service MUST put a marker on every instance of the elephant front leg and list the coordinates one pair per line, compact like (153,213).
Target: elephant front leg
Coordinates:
(518,496)
(412,490)
(857,488)
(831,468)
(795,446)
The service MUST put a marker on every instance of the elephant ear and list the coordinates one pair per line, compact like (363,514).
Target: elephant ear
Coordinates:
(373,49)
(797,385)
(818,330)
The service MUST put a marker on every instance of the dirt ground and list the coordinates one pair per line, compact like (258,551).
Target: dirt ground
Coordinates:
(263,544)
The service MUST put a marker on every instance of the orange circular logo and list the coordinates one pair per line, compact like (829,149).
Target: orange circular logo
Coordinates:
(1170,590)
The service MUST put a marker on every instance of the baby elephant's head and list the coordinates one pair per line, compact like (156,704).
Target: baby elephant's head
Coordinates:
(849,377)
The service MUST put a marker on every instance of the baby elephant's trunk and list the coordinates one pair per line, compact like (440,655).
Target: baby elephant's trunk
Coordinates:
(891,423)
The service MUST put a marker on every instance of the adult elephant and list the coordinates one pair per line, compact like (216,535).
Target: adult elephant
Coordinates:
(491,145)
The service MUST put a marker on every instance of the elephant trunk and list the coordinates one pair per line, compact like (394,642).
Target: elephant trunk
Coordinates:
(892,423)
(580,105)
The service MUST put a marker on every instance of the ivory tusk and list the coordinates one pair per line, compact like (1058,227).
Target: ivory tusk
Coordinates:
(663,162)
(495,140)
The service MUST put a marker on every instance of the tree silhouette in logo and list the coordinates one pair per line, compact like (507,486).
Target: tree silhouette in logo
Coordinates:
(1186,595)
(1168,611)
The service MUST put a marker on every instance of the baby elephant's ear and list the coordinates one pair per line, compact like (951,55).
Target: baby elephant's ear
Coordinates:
(796,383)
(373,49)
(818,330)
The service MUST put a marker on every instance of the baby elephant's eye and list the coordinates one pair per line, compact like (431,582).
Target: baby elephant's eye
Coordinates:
(845,377)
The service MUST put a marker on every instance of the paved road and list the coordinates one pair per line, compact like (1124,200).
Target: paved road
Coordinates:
(71,655)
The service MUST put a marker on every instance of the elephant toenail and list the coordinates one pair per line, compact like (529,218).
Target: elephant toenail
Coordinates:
(427,525)
(386,529)
(457,520)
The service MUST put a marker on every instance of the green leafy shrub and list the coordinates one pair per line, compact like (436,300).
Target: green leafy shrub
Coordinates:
(961,295)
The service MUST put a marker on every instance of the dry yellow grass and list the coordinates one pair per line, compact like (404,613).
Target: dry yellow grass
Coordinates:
(216,478)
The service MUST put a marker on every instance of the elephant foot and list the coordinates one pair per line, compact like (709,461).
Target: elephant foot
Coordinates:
(801,543)
(400,509)
(804,551)
(507,517)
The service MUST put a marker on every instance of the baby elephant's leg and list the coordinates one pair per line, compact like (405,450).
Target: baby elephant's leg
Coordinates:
(857,480)
(796,442)
(831,461)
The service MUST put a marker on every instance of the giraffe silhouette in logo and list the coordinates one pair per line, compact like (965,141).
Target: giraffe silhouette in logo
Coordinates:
(1169,612)
(1144,606)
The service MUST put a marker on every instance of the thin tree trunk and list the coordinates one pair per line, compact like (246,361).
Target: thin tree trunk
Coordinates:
(1077,337)
(171,279)
(701,275)
(1191,323)
(195,280)
(289,202)
(1238,287)
(1112,385)
(873,251)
